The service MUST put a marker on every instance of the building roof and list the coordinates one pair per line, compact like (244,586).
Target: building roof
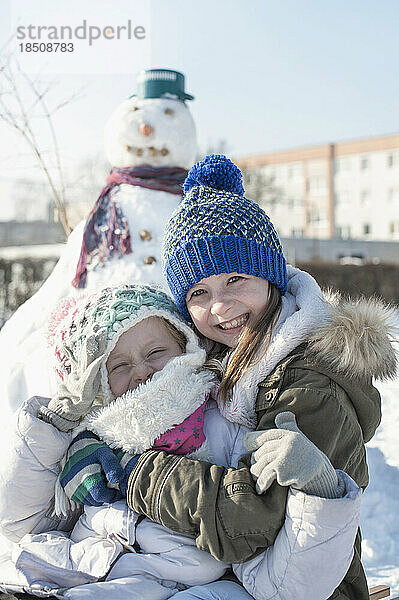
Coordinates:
(359,146)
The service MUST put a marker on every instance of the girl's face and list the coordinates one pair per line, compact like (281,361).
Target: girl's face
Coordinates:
(221,305)
(140,352)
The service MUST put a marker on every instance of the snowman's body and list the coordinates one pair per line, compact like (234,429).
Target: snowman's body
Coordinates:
(147,212)
(159,132)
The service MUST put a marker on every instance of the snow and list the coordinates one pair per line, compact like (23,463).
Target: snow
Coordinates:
(380,505)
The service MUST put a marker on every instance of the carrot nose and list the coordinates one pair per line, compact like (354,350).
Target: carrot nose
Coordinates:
(145,129)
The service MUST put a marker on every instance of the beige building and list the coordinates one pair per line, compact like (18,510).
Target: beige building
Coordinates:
(348,189)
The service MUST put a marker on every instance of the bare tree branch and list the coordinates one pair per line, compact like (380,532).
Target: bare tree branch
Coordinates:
(20,97)
(41,99)
(262,188)
(68,100)
(39,96)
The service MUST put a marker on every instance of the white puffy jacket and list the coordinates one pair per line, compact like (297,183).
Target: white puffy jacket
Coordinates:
(39,558)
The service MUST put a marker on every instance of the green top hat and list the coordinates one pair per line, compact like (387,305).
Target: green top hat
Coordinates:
(161,83)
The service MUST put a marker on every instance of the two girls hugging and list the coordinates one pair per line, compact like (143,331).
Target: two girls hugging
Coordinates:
(206,447)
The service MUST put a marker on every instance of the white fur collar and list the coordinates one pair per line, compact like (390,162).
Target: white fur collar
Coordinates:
(135,420)
(303,310)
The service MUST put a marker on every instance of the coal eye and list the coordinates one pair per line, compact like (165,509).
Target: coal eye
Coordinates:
(168,111)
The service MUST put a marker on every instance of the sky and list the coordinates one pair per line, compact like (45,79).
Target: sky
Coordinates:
(266,74)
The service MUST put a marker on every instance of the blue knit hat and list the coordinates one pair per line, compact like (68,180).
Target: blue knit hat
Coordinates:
(217,230)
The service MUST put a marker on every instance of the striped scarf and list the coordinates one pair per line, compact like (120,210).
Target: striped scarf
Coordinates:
(106,232)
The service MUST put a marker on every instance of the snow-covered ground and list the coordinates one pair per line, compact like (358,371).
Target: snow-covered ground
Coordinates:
(380,507)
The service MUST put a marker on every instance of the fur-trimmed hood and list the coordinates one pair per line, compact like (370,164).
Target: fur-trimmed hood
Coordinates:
(357,339)
(135,420)
(352,338)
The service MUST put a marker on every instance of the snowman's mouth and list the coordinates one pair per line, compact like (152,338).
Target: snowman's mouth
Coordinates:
(150,150)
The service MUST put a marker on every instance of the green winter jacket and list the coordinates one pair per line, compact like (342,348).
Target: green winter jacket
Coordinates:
(220,507)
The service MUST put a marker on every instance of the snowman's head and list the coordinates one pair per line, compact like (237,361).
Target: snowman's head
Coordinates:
(152,131)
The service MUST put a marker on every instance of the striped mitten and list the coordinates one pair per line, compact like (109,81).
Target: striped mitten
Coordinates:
(90,466)
(127,462)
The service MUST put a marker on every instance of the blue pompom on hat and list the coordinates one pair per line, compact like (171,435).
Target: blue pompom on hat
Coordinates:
(215,171)
(217,230)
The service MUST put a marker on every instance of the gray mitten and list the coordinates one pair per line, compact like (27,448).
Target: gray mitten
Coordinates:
(286,454)
(75,396)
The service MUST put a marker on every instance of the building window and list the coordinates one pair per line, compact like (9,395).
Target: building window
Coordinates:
(393,159)
(342,197)
(364,197)
(364,163)
(317,216)
(314,216)
(296,232)
(393,194)
(343,164)
(366,229)
(317,186)
(280,172)
(344,232)
(295,171)
(394,227)
(294,202)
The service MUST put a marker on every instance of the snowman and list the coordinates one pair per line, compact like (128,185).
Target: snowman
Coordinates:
(150,140)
